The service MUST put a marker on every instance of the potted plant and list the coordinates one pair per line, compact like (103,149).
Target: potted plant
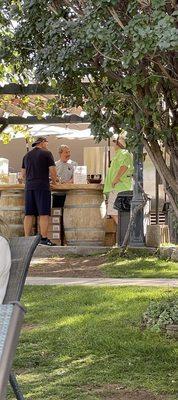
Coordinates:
(162,316)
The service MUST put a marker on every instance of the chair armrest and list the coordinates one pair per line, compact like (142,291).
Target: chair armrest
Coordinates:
(11,318)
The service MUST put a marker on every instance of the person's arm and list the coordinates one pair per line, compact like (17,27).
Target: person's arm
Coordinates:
(52,169)
(23,173)
(53,174)
(119,174)
(23,170)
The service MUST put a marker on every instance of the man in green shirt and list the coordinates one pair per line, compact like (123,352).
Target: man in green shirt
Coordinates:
(119,176)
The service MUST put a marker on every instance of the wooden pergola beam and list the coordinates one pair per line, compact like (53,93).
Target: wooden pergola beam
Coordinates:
(31,120)
(3,126)
(31,89)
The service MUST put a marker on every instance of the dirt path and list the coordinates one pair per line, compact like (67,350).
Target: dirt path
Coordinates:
(78,267)
(118,392)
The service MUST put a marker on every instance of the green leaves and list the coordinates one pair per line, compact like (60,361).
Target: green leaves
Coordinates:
(162,313)
(125,50)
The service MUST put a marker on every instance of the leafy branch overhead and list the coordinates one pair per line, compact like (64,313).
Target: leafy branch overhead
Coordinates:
(117,59)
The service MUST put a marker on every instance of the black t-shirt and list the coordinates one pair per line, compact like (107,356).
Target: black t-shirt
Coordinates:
(36,164)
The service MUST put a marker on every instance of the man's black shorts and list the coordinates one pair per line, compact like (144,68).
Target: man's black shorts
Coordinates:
(37,202)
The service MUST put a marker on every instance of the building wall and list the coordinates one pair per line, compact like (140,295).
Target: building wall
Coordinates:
(16,149)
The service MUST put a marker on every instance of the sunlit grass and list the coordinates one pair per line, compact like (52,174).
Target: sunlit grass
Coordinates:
(77,338)
(136,266)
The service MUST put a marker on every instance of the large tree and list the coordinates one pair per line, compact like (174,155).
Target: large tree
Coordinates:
(118,59)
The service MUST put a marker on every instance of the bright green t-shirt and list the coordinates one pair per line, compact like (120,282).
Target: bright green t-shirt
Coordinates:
(122,157)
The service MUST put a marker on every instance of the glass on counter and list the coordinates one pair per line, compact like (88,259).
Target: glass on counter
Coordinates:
(4,179)
(4,169)
(13,178)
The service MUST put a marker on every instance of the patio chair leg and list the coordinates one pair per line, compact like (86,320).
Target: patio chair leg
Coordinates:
(15,387)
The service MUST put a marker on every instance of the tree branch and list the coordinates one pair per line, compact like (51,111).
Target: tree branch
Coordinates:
(164,72)
(115,16)
(102,54)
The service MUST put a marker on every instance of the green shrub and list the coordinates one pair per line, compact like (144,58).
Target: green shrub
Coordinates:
(162,313)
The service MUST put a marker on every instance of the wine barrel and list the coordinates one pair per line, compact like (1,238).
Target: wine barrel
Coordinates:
(12,210)
(84,218)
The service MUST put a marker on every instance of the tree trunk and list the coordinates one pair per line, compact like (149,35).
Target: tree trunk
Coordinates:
(162,173)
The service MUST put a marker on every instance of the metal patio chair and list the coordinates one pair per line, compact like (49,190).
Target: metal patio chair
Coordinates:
(22,249)
(11,318)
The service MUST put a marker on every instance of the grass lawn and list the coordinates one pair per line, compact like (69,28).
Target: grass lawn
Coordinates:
(139,266)
(78,339)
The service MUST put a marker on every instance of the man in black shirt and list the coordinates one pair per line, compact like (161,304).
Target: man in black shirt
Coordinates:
(37,165)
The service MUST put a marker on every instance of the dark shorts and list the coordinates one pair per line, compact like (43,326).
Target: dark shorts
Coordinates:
(37,202)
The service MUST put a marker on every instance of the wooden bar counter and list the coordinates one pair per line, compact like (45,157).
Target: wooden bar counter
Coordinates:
(84,211)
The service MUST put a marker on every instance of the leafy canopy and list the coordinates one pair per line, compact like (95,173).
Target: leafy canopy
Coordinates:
(118,59)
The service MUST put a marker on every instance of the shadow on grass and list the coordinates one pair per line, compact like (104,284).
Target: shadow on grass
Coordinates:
(82,336)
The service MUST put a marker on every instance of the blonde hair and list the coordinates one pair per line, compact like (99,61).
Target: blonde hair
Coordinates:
(4,230)
(62,147)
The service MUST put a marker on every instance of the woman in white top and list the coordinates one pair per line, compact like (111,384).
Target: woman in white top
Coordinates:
(5,259)
(65,166)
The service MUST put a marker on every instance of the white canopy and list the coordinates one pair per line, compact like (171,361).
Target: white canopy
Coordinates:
(69,131)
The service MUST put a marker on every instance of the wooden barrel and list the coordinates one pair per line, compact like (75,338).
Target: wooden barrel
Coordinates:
(84,219)
(12,210)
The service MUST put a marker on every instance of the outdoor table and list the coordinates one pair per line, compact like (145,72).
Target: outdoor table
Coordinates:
(11,318)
